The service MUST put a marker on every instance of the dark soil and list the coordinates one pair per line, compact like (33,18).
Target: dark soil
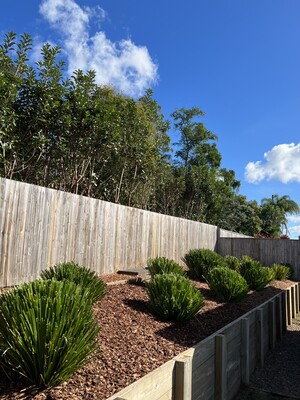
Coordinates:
(133,342)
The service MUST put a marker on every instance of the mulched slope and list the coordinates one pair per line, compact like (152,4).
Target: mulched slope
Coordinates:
(133,342)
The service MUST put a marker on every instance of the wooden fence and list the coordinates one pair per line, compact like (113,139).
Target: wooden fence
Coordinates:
(216,367)
(40,227)
(267,251)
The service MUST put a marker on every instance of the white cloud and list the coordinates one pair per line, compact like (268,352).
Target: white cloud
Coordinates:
(124,65)
(294,219)
(281,163)
(294,231)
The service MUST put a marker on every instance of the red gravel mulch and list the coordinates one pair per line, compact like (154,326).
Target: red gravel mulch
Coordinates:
(133,342)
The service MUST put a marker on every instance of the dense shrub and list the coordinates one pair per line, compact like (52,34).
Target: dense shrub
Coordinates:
(172,297)
(255,274)
(281,271)
(291,268)
(162,265)
(47,331)
(232,263)
(82,276)
(271,274)
(227,284)
(201,261)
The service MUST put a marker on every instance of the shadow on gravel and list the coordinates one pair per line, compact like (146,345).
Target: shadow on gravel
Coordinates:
(254,394)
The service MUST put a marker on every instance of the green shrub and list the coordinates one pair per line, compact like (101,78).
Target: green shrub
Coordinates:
(172,297)
(162,265)
(271,274)
(281,272)
(227,284)
(47,331)
(201,261)
(291,268)
(82,276)
(232,263)
(255,274)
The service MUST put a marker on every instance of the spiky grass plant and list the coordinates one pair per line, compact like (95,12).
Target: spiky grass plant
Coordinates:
(255,274)
(82,276)
(232,263)
(47,331)
(173,298)
(162,265)
(201,261)
(281,272)
(227,284)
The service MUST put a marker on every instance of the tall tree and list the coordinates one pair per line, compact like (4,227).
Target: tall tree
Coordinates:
(274,213)
(207,186)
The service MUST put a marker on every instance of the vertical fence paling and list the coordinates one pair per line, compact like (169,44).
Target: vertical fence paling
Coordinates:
(206,371)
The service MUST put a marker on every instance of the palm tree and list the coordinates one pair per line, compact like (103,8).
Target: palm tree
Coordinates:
(274,212)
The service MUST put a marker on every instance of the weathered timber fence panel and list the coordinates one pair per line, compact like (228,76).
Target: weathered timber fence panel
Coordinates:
(268,251)
(40,227)
(216,367)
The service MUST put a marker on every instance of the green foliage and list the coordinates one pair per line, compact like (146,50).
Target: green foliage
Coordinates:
(162,265)
(82,276)
(255,274)
(227,284)
(201,261)
(47,331)
(271,274)
(281,272)
(232,263)
(172,297)
(73,135)
(274,212)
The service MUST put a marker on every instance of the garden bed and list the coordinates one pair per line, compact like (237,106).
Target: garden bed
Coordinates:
(133,342)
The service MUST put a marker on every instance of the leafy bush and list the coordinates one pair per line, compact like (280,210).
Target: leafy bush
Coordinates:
(291,268)
(255,274)
(227,284)
(201,261)
(162,265)
(172,297)
(82,276)
(232,263)
(47,331)
(271,274)
(281,272)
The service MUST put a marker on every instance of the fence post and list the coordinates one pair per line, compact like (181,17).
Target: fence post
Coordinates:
(272,325)
(293,294)
(245,351)
(297,297)
(279,320)
(288,295)
(284,310)
(183,378)
(260,336)
(221,363)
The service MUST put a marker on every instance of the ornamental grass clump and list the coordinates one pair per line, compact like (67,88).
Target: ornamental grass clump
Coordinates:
(227,284)
(173,298)
(232,263)
(70,271)
(162,265)
(255,274)
(281,272)
(47,331)
(201,261)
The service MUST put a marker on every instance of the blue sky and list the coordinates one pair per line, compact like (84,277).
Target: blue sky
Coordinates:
(237,60)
